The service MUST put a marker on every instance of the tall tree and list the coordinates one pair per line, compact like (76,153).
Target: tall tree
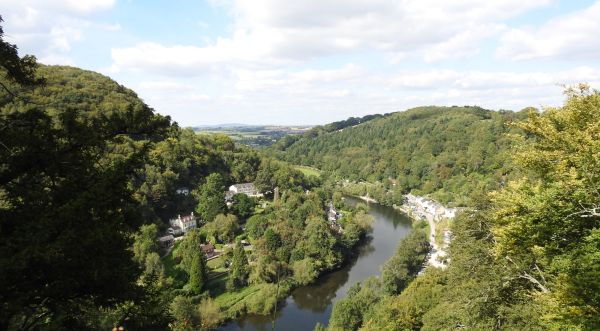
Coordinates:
(66,212)
(197,272)
(185,314)
(144,242)
(188,247)
(20,70)
(243,206)
(240,269)
(211,198)
(546,225)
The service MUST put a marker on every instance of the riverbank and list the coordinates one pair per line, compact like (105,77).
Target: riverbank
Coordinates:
(311,304)
(421,208)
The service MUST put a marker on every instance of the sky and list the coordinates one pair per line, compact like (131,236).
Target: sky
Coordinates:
(316,61)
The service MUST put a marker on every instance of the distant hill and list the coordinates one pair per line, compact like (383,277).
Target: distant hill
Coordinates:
(257,136)
(445,151)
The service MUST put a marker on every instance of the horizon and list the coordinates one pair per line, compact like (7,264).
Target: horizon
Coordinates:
(228,61)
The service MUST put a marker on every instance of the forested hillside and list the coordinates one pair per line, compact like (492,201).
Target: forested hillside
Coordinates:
(90,177)
(448,151)
(524,257)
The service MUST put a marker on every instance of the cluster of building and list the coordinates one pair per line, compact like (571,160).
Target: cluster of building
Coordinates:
(183,224)
(424,208)
(244,188)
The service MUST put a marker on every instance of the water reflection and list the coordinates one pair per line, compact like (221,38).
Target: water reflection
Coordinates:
(313,303)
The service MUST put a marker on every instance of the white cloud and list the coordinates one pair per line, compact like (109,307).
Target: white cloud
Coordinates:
(283,61)
(187,60)
(274,32)
(81,6)
(573,37)
(318,96)
(49,28)
(77,7)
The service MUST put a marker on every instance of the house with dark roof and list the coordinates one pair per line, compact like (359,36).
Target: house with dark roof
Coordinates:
(208,250)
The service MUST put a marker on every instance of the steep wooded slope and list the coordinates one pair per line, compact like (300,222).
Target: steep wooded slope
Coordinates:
(447,151)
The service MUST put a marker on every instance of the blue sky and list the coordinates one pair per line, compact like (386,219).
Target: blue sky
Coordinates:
(317,61)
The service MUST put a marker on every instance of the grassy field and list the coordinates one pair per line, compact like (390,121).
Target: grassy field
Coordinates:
(172,270)
(228,299)
(256,136)
(217,263)
(309,171)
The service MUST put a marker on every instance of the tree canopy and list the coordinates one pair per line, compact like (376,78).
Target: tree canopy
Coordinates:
(449,152)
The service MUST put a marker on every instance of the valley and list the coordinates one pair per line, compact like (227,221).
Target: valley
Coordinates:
(115,216)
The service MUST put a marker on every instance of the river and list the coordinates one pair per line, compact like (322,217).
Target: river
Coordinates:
(313,303)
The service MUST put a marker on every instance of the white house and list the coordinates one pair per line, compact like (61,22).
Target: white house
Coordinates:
(245,188)
(185,223)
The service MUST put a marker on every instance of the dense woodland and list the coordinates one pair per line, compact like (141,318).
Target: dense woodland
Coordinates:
(449,152)
(88,181)
(523,257)
(89,176)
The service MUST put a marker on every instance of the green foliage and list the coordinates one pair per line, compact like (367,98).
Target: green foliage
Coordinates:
(20,70)
(153,268)
(546,224)
(197,272)
(349,312)
(272,174)
(223,229)
(256,226)
(184,312)
(356,225)
(404,265)
(84,163)
(210,314)
(186,250)
(273,240)
(319,243)
(305,271)
(527,258)
(182,160)
(243,206)
(211,198)
(145,242)
(65,169)
(405,312)
(437,150)
(240,269)
(193,261)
